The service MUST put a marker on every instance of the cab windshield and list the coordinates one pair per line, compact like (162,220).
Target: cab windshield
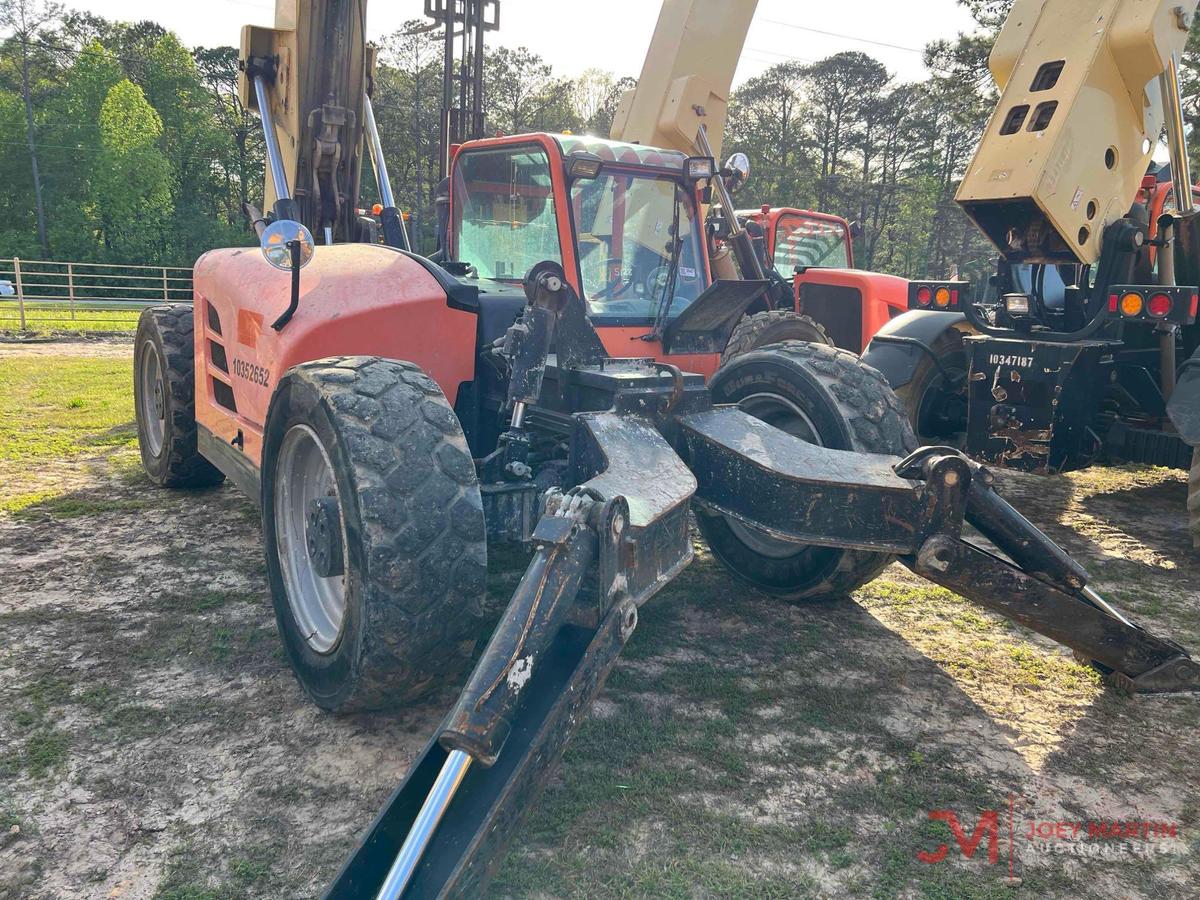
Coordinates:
(627,226)
(808,243)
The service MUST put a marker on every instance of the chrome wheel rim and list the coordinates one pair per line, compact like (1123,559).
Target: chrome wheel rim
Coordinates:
(786,416)
(303,475)
(152,411)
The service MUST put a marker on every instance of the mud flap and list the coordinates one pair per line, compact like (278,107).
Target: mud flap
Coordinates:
(477,828)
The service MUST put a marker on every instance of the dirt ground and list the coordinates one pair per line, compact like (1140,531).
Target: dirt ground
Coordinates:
(154,744)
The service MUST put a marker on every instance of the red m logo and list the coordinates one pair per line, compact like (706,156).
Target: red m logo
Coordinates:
(989,824)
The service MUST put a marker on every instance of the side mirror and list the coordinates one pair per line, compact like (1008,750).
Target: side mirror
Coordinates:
(277,239)
(736,172)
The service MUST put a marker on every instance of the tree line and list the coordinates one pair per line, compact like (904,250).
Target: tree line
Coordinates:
(118,143)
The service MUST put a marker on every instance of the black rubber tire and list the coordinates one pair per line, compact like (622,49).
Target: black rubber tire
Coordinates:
(952,354)
(1193,500)
(773,327)
(415,542)
(169,329)
(851,407)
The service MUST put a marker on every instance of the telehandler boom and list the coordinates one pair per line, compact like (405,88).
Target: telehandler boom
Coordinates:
(680,102)
(394,417)
(1087,348)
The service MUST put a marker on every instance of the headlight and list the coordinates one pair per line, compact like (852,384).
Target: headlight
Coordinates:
(701,167)
(1016,305)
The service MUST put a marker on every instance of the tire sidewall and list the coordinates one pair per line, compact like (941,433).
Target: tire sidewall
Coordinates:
(148,333)
(328,677)
(756,373)
(752,373)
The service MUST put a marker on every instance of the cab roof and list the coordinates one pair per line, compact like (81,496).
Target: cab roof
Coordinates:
(619,152)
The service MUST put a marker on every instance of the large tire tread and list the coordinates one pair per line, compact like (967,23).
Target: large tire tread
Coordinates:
(184,467)
(773,327)
(422,535)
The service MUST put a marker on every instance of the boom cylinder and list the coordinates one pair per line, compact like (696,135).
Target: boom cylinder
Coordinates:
(481,720)
(285,206)
(1181,176)
(394,232)
(1021,540)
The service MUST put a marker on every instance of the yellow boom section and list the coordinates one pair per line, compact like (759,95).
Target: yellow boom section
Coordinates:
(322,65)
(687,75)
(1081,112)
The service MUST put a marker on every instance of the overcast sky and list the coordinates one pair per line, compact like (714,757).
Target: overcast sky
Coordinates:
(611,34)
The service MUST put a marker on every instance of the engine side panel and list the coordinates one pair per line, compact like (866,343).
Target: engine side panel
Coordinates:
(355,299)
(883,296)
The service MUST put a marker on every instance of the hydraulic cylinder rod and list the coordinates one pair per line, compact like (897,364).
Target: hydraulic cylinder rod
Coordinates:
(454,769)
(271,139)
(1181,176)
(394,232)
(743,249)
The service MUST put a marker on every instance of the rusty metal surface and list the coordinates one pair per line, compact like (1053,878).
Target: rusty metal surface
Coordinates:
(1031,404)
(639,465)
(481,720)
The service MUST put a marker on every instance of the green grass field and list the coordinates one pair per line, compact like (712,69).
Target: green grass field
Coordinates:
(54,409)
(48,320)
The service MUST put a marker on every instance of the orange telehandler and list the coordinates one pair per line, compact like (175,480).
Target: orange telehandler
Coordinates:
(394,417)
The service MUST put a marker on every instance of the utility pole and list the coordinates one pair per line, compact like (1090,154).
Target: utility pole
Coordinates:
(25,18)
(33,160)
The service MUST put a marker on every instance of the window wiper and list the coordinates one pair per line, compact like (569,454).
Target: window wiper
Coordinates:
(667,299)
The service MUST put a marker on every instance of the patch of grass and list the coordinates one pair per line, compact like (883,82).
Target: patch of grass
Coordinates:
(68,507)
(252,865)
(41,752)
(186,879)
(20,502)
(32,390)
(55,319)
(8,819)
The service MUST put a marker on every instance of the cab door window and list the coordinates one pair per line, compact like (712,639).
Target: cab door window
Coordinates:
(505,220)
(628,226)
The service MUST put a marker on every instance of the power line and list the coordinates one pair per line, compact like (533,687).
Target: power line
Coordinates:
(787,57)
(848,37)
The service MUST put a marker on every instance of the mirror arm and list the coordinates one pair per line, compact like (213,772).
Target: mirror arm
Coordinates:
(294,303)
(743,247)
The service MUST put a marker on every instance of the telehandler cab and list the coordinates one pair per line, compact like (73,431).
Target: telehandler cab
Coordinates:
(394,417)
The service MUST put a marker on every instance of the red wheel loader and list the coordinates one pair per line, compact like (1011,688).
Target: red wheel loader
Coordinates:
(395,418)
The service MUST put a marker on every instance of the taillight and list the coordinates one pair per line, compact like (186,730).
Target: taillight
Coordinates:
(1131,304)
(924,296)
(942,297)
(1154,303)
(1159,306)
